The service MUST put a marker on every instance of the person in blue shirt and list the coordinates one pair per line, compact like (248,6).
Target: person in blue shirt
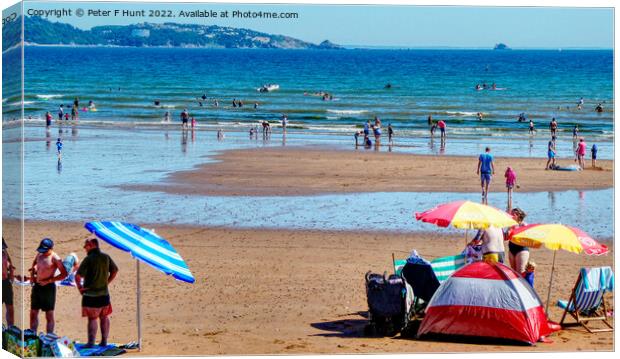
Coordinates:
(59,147)
(367,128)
(594,152)
(486,169)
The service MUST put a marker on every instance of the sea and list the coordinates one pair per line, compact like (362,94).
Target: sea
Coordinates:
(127,141)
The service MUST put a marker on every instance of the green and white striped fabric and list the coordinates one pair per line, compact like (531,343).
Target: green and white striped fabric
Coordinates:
(398,265)
(444,267)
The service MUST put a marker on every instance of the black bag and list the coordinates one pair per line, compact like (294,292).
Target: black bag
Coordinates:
(386,303)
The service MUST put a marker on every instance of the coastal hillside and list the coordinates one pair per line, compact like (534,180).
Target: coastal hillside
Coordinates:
(40,31)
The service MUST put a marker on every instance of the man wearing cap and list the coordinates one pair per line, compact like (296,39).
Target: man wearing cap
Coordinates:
(43,295)
(98,270)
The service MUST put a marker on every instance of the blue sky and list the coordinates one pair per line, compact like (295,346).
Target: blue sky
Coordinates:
(400,26)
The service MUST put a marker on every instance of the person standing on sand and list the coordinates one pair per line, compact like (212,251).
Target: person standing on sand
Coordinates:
(594,153)
(486,169)
(98,270)
(43,295)
(7,284)
(551,154)
(390,133)
(531,127)
(581,153)
(442,128)
(518,256)
(492,241)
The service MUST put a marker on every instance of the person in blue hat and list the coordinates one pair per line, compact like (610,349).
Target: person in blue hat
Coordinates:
(44,278)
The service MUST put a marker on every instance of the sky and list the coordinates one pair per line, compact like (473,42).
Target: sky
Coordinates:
(390,26)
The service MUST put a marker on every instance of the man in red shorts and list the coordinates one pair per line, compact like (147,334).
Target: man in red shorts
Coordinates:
(98,270)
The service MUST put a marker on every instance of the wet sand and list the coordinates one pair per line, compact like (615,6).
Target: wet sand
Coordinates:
(278,291)
(307,171)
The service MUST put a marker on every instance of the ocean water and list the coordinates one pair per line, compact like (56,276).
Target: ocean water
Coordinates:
(125,82)
(85,186)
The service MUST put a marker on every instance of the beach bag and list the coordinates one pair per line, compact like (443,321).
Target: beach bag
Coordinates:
(386,303)
(4,335)
(30,346)
(46,344)
(64,348)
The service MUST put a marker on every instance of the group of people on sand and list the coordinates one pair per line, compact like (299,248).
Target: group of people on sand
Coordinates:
(91,277)
(492,239)
(490,242)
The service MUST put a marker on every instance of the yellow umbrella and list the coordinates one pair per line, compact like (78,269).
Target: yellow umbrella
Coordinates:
(552,236)
(555,237)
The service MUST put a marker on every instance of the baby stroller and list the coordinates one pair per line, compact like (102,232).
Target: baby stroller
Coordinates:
(386,298)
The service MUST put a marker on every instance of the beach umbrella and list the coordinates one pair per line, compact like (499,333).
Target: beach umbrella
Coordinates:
(556,237)
(145,246)
(466,215)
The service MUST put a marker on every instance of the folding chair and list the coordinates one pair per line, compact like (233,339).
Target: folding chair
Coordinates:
(587,302)
(426,279)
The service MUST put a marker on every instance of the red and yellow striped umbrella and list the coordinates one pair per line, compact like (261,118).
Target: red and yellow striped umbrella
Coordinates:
(466,215)
(556,236)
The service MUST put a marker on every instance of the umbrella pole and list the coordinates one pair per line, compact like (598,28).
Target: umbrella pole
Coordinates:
(466,237)
(550,284)
(139,314)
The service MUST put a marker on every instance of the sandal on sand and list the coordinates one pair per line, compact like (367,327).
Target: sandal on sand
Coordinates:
(130,345)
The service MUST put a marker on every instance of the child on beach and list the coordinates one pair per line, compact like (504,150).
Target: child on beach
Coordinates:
(594,152)
(59,147)
(511,180)
(531,127)
(193,122)
(551,154)
(48,119)
(530,269)
(390,133)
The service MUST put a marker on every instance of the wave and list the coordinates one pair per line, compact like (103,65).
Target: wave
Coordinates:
(347,112)
(463,113)
(48,97)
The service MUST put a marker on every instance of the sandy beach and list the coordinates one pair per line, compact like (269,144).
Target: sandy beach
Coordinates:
(281,291)
(308,171)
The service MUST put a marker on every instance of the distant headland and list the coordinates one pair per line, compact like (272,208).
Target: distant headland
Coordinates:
(39,31)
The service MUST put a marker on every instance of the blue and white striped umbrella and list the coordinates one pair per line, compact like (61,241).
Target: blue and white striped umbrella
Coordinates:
(144,245)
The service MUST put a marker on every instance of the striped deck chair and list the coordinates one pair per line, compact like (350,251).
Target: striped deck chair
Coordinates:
(444,267)
(587,299)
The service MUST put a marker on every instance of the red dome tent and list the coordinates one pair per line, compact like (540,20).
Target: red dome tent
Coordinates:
(486,300)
